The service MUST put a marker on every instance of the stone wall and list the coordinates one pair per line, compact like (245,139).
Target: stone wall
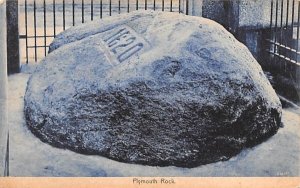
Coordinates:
(3,89)
(257,13)
(253,14)
(13,56)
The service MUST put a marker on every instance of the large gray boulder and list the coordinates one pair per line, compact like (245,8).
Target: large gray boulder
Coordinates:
(151,88)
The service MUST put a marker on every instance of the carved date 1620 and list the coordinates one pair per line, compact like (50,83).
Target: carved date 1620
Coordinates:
(123,43)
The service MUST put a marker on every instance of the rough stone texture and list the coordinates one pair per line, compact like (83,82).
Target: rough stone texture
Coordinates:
(151,88)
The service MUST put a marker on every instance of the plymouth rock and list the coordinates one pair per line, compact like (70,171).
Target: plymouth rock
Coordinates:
(151,88)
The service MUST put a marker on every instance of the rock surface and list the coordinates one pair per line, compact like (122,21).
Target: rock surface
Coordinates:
(151,88)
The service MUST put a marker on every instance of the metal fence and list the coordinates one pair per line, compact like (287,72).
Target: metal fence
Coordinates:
(284,39)
(41,20)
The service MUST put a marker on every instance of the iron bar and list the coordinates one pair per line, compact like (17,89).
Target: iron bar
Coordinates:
(34,21)
(281,21)
(119,6)
(276,20)
(298,26)
(38,36)
(109,7)
(137,4)
(284,57)
(271,18)
(293,15)
(146,4)
(26,31)
(187,7)
(92,10)
(38,46)
(64,15)
(271,24)
(128,6)
(73,12)
(282,46)
(45,28)
(82,11)
(54,18)
(154,4)
(286,27)
(281,25)
(101,8)
(287,13)
(163,5)
(171,6)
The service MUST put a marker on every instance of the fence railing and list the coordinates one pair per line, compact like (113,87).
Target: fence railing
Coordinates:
(42,20)
(284,39)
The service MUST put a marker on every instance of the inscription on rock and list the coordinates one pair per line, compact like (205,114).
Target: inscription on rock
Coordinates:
(123,42)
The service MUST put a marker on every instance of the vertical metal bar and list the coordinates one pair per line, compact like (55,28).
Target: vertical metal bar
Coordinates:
(45,29)
(146,4)
(271,32)
(281,34)
(179,5)
(73,12)
(163,5)
(279,51)
(64,15)
(82,11)
(287,31)
(154,4)
(119,6)
(101,9)
(26,31)
(276,20)
(271,18)
(287,28)
(171,6)
(34,20)
(187,7)
(298,26)
(128,5)
(92,10)
(54,18)
(281,14)
(109,7)
(287,13)
(293,15)
(137,4)
(281,22)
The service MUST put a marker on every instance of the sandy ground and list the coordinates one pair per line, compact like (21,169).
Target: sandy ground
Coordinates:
(278,156)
